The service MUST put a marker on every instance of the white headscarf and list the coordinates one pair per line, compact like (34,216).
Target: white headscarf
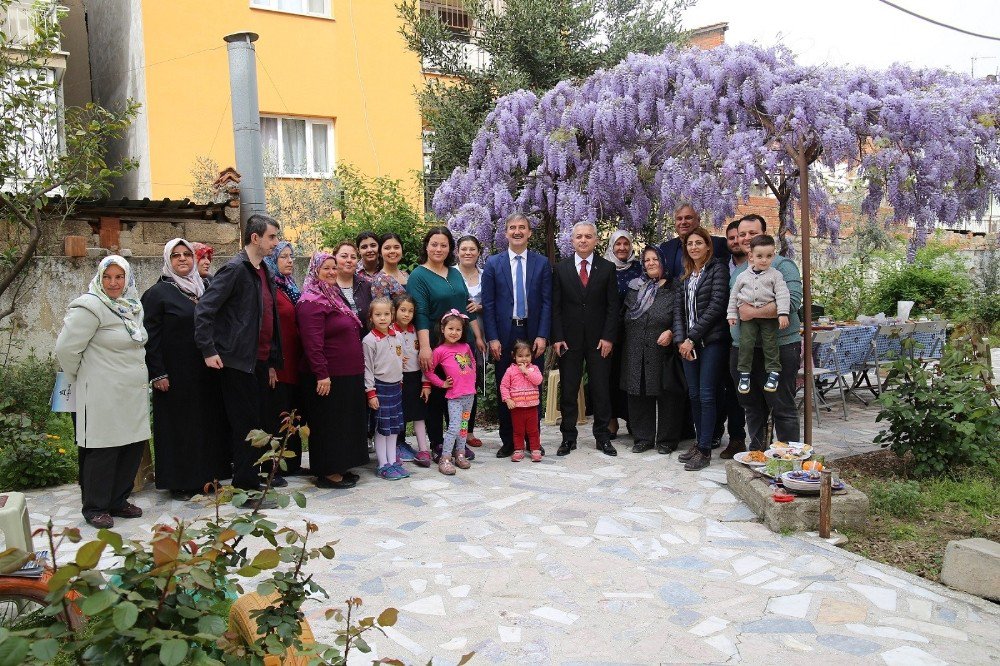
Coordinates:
(127,306)
(191,283)
(609,254)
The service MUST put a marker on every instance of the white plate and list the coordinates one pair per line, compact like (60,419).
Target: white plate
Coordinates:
(741,458)
(777,453)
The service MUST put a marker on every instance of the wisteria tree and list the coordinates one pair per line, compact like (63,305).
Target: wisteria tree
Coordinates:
(629,144)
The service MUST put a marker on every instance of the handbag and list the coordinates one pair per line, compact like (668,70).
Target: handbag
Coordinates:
(63,396)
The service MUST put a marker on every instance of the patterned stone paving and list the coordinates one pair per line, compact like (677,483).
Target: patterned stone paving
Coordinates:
(595,560)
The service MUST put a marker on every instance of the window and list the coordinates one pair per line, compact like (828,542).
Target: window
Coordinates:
(305,7)
(297,147)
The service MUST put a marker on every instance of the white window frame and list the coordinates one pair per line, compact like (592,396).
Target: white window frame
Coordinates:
(326,13)
(278,159)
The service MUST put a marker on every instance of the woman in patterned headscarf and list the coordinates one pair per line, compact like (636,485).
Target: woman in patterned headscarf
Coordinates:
(190,438)
(285,395)
(333,380)
(203,259)
(621,252)
(100,348)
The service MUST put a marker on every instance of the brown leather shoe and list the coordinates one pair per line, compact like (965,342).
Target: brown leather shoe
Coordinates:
(735,446)
(687,455)
(102,521)
(128,511)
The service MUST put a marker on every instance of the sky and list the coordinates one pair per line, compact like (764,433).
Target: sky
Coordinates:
(862,32)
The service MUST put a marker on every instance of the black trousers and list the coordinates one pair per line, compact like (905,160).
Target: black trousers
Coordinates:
(284,398)
(107,476)
(780,405)
(505,361)
(729,409)
(437,412)
(656,419)
(598,379)
(243,398)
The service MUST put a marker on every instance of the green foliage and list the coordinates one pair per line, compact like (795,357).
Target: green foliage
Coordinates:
(842,290)
(896,498)
(377,204)
(33,460)
(164,600)
(945,416)
(27,386)
(984,298)
(529,44)
(937,280)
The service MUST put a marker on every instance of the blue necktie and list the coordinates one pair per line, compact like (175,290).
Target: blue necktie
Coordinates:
(519,288)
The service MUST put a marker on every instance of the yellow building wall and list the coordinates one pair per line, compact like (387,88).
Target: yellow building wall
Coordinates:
(354,69)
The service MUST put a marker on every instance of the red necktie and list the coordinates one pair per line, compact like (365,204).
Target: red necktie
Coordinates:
(583,272)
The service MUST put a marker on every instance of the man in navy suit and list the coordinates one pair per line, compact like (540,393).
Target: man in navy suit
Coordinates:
(686,220)
(584,324)
(517,305)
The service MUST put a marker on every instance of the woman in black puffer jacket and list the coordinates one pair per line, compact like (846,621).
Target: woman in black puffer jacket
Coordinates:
(702,335)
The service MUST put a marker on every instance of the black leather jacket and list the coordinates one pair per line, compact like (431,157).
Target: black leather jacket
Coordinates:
(227,318)
(711,300)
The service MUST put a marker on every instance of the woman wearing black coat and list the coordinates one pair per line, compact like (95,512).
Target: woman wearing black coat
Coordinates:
(702,335)
(651,373)
(189,438)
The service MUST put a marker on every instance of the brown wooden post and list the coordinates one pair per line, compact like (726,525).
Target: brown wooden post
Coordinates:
(110,233)
(807,357)
(825,503)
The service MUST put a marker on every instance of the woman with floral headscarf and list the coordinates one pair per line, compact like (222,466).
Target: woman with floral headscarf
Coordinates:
(284,395)
(190,438)
(333,377)
(620,252)
(100,348)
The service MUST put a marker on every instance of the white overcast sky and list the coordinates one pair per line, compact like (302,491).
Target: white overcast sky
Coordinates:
(862,32)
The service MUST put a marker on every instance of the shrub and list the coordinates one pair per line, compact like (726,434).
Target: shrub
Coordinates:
(900,499)
(937,280)
(842,290)
(944,416)
(36,461)
(26,386)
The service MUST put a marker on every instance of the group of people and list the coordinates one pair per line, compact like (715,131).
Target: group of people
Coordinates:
(363,348)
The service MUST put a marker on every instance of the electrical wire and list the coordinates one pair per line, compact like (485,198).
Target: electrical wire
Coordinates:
(938,23)
(136,69)
(273,84)
(361,84)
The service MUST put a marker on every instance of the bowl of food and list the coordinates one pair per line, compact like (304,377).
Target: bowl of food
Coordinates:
(751,458)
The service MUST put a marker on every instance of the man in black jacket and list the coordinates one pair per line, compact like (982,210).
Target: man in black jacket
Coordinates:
(686,220)
(236,329)
(584,322)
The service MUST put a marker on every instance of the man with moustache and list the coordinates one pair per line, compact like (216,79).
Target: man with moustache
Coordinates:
(686,220)
(585,311)
(726,395)
(517,305)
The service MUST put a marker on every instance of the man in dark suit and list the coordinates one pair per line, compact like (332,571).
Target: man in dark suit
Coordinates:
(517,305)
(686,220)
(584,322)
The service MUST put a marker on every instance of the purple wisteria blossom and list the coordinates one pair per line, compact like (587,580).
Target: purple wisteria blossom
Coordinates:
(629,144)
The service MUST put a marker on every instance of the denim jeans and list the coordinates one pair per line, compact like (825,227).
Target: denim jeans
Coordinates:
(703,381)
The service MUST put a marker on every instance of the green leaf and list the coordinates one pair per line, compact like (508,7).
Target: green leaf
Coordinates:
(90,554)
(13,650)
(173,652)
(98,602)
(62,576)
(212,625)
(362,645)
(247,571)
(113,539)
(266,559)
(300,499)
(45,649)
(125,615)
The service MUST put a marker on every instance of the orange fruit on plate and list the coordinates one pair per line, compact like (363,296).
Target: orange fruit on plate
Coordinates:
(812,465)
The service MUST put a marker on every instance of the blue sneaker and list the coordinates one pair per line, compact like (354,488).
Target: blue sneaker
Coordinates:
(388,472)
(405,453)
(403,474)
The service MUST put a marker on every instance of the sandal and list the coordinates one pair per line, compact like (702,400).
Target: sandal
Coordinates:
(445,466)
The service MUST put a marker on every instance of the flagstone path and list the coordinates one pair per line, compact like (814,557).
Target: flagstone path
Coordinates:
(588,559)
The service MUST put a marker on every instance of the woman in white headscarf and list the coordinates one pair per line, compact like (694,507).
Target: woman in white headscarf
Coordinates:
(100,348)
(190,438)
(621,252)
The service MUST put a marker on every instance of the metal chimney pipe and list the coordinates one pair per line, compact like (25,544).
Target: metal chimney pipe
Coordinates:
(246,122)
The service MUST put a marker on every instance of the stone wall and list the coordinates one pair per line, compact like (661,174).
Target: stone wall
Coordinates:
(53,282)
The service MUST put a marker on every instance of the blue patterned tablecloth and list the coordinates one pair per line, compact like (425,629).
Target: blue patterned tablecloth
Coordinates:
(855,343)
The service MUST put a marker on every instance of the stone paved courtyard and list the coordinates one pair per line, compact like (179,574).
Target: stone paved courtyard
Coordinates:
(589,559)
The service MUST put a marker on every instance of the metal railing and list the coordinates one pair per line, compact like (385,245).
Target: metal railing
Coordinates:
(19,20)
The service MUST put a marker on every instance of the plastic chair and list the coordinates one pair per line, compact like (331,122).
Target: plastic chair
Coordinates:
(552,413)
(15,523)
(829,338)
(886,348)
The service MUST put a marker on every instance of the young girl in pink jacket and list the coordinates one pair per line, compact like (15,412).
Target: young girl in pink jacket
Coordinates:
(519,389)
(455,356)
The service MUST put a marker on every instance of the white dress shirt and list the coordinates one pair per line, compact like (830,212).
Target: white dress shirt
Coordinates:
(513,276)
(590,263)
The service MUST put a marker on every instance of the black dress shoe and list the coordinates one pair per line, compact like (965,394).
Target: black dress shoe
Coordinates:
(543,449)
(351,476)
(565,448)
(182,495)
(666,447)
(607,448)
(279,481)
(642,448)
(344,483)
(506,451)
